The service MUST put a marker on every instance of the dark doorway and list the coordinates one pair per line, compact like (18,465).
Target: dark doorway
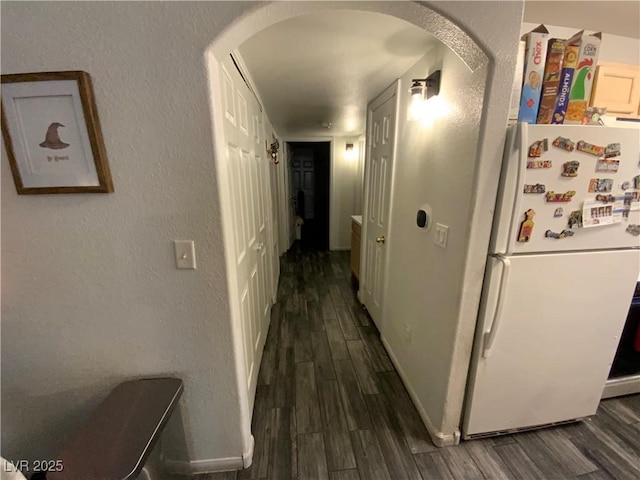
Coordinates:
(310,173)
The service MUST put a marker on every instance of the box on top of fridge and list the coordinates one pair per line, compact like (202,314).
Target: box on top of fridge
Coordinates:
(535,55)
(583,76)
(551,80)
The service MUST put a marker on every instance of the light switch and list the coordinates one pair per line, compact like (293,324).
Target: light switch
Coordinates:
(441,232)
(185,254)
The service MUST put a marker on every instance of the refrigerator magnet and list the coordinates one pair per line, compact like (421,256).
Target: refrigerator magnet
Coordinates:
(590,148)
(575,219)
(600,185)
(526,227)
(539,164)
(537,188)
(553,197)
(607,165)
(633,229)
(612,150)
(570,169)
(538,148)
(564,144)
(626,185)
(558,236)
(558,212)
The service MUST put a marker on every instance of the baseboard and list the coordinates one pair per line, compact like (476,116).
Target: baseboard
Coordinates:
(196,467)
(340,249)
(439,438)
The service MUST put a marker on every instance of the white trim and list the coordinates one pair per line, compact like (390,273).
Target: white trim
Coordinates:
(196,467)
(439,438)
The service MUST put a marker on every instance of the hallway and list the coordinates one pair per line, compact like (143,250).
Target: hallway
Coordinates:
(329,404)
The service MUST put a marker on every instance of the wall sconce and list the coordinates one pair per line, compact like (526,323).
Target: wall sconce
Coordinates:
(272,151)
(350,152)
(421,91)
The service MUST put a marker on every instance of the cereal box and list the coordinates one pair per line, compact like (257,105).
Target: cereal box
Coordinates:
(566,78)
(589,46)
(551,79)
(536,52)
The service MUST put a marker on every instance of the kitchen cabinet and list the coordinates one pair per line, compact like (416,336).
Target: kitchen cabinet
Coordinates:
(356,229)
(617,87)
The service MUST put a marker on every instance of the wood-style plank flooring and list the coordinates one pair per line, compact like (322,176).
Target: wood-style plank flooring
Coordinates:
(329,404)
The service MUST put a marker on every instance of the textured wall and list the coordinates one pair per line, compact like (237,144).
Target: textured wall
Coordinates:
(90,295)
(451,164)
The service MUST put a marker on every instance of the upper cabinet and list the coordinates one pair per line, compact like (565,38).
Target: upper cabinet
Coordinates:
(617,87)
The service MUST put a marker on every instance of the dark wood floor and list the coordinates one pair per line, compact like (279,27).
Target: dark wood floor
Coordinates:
(329,404)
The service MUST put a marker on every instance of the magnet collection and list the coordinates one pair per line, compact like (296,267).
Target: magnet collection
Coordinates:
(607,162)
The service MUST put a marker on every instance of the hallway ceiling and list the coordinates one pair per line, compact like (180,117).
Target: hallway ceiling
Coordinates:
(325,67)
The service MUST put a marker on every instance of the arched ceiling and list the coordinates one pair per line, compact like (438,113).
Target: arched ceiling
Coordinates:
(326,66)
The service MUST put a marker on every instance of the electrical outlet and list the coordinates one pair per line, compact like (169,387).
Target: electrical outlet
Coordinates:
(440,235)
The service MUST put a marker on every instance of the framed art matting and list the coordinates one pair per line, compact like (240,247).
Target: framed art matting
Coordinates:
(52,134)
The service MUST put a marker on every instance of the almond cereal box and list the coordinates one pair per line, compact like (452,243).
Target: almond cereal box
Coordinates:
(569,64)
(535,54)
(551,79)
(589,47)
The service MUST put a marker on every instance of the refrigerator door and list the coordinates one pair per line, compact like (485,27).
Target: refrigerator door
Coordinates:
(554,216)
(546,338)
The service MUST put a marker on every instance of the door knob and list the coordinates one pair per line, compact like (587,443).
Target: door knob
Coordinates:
(259,246)
(380,239)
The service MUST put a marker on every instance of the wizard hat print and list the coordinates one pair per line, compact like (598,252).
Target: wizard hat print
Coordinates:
(52,139)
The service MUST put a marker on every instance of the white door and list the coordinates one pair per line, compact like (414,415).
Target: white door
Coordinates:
(381,129)
(244,167)
(547,335)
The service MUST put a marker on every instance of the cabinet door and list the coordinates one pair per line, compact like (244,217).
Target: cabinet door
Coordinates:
(617,87)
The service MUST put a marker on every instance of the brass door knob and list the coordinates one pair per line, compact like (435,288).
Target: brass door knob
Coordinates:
(380,239)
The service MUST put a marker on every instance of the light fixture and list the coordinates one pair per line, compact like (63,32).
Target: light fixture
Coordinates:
(422,90)
(350,152)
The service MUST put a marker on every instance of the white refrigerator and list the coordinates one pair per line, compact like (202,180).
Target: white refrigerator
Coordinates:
(555,296)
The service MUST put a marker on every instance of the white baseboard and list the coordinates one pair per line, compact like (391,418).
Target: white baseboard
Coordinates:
(340,249)
(211,465)
(439,438)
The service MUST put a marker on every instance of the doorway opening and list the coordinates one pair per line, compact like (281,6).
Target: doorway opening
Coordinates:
(310,166)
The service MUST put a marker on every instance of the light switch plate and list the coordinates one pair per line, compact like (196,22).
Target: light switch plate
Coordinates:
(440,234)
(185,254)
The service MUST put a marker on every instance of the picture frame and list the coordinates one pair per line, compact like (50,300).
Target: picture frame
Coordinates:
(52,134)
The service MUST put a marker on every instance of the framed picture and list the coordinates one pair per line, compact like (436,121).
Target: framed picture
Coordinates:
(52,134)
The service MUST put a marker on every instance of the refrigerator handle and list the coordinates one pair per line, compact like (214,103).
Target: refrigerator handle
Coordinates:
(490,336)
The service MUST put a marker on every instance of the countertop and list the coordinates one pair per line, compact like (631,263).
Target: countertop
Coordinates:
(357,219)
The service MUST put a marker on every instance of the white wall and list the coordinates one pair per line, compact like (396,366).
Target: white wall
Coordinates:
(90,295)
(614,48)
(431,290)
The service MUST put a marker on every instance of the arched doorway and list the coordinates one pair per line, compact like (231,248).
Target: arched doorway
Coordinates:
(495,62)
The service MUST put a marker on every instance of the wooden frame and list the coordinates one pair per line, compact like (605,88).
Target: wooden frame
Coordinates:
(37,105)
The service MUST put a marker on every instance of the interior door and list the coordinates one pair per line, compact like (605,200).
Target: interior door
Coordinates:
(378,170)
(244,145)
(302,167)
